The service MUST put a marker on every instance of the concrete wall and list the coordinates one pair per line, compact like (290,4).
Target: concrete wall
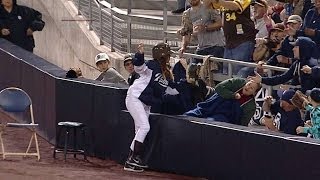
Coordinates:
(66,42)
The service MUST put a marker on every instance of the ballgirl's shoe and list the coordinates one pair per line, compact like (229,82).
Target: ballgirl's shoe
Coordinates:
(131,168)
(136,161)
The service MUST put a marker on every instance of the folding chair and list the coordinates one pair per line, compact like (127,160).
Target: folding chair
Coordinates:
(16,100)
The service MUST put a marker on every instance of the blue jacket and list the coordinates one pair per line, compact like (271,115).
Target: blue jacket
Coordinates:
(307,48)
(286,121)
(179,72)
(312,20)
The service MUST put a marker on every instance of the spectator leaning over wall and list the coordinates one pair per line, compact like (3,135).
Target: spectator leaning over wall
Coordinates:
(303,51)
(239,30)
(233,102)
(285,116)
(17,24)
(108,74)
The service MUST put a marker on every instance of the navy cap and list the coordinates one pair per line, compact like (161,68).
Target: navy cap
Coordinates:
(314,94)
(287,95)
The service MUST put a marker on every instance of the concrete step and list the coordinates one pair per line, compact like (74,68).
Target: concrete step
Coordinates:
(145,4)
(151,34)
(173,19)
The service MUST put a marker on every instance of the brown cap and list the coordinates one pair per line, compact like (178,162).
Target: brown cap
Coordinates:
(278,27)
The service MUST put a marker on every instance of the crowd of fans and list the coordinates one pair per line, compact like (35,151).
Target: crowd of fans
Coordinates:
(265,32)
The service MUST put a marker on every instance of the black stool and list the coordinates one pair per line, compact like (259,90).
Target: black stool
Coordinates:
(68,127)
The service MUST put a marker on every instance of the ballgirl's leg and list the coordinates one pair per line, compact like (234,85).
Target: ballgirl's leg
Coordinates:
(140,114)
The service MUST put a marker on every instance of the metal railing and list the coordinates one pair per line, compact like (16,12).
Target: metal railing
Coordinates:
(231,63)
(121,29)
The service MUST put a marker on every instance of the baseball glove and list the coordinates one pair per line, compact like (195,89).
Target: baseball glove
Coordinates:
(299,99)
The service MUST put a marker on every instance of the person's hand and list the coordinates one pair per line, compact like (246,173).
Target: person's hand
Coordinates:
(299,130)
(268,122)
(5,32)
(308,123)
(261,41)
(29,32)
(237,96)
(267,19)
(141,48)
(260,68)
(270,10)
(198,28)
(260,65)
(181,51)
(282,59)
(309,32)
(257,78)
(305,102)
(284,87)
(306,69)
(268,100)
(179,31)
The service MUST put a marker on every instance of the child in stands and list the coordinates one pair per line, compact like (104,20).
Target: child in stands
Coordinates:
(312,105)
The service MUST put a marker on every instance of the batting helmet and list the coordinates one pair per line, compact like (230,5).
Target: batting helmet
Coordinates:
(160,50)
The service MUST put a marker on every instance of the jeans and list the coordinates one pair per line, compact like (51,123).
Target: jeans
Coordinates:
(243,52)
(181,4)
(245,72)
(216,51)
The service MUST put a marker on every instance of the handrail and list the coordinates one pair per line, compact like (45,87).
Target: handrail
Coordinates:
(115,14)
(230,62)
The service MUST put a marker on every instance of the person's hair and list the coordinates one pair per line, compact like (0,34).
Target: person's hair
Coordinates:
(259,87)
(71,74)
(166,73)
(193,73)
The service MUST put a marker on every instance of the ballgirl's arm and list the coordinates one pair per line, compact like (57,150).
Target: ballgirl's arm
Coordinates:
(139,62)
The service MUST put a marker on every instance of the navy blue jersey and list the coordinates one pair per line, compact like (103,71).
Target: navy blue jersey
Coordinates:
(151,86)
(286,122)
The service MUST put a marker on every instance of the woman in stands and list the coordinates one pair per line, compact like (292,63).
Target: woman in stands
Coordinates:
(144,93)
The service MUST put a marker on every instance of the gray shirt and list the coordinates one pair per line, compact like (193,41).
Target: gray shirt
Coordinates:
(111,76)
(206,16)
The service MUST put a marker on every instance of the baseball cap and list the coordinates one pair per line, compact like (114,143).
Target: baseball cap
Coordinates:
(101,57)
(278,27)
(301,40)
(294,19)
(262,3)
(287,95)
(314,94)
(127,57)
